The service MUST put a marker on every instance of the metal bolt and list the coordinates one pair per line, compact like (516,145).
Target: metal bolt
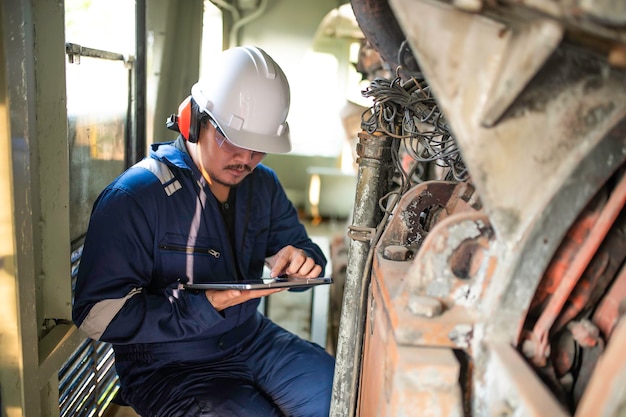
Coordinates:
(617,56)
(472,6)
(528,348)
(396,253)
(425,306)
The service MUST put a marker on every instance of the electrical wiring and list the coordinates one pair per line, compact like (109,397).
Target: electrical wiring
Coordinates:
(408,111)
(409,115)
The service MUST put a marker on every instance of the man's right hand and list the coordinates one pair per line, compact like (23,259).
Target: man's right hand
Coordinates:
(222,299)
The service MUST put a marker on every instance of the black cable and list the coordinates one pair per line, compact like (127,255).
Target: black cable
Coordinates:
(398,110)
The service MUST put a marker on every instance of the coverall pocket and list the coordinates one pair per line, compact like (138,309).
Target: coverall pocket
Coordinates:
(184,256)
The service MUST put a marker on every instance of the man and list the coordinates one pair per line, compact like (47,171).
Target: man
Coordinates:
(202,209)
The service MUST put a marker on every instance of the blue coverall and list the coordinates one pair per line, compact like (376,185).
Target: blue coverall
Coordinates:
(158,224)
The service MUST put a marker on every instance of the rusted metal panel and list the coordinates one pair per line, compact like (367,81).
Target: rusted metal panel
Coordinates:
(413,327)
(426,383)
(379,355)
(400,380)
(431,297)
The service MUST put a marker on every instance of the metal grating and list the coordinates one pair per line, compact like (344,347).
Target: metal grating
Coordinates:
(88,381)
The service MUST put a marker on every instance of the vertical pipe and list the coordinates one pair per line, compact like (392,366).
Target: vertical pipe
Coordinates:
(374,156)
(138,139)
(382,30)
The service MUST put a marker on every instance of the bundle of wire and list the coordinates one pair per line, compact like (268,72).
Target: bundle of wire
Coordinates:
(400,110)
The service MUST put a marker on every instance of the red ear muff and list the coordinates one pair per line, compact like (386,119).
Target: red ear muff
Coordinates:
(184,117)
(186,121)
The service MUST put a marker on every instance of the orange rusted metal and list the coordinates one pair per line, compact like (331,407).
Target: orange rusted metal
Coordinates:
(608,312)
(409,363)
(574,270)
(565,255)
(407,305)
(404,380)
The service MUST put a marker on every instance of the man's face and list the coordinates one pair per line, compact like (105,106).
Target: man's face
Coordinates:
(224,162)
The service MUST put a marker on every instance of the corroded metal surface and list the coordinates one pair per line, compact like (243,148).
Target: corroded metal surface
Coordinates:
(405,380)
(410,305)
(431,300)
(574,275)
(541,127)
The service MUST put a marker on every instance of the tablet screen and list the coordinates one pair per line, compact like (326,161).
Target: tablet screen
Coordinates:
(258,284)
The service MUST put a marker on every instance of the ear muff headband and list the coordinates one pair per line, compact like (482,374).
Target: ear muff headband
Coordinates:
(194,122)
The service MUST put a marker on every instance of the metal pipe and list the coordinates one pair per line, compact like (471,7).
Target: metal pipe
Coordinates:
(382,30)
(374,156)
(140,84)
(237,25)
(235,16)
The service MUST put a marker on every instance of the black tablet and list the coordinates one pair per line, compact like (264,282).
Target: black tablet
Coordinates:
(258,284)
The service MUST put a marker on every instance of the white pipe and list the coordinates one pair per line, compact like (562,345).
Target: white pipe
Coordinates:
(222,4)
(244,21)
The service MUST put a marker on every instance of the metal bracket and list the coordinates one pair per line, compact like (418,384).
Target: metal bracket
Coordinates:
(74,52)
(361,233)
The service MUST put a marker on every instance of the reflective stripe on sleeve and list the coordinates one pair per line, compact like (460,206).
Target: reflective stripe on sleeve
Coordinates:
(102,313)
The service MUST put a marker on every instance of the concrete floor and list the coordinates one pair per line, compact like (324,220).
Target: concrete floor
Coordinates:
(301,313)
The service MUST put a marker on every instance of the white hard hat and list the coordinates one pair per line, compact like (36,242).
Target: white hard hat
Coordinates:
(247,95)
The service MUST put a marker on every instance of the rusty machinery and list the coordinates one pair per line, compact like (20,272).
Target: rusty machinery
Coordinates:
(485,272)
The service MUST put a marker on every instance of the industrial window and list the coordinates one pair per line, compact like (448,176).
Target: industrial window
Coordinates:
(99,73)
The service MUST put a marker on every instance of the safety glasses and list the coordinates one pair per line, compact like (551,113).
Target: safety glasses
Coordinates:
(226,145)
